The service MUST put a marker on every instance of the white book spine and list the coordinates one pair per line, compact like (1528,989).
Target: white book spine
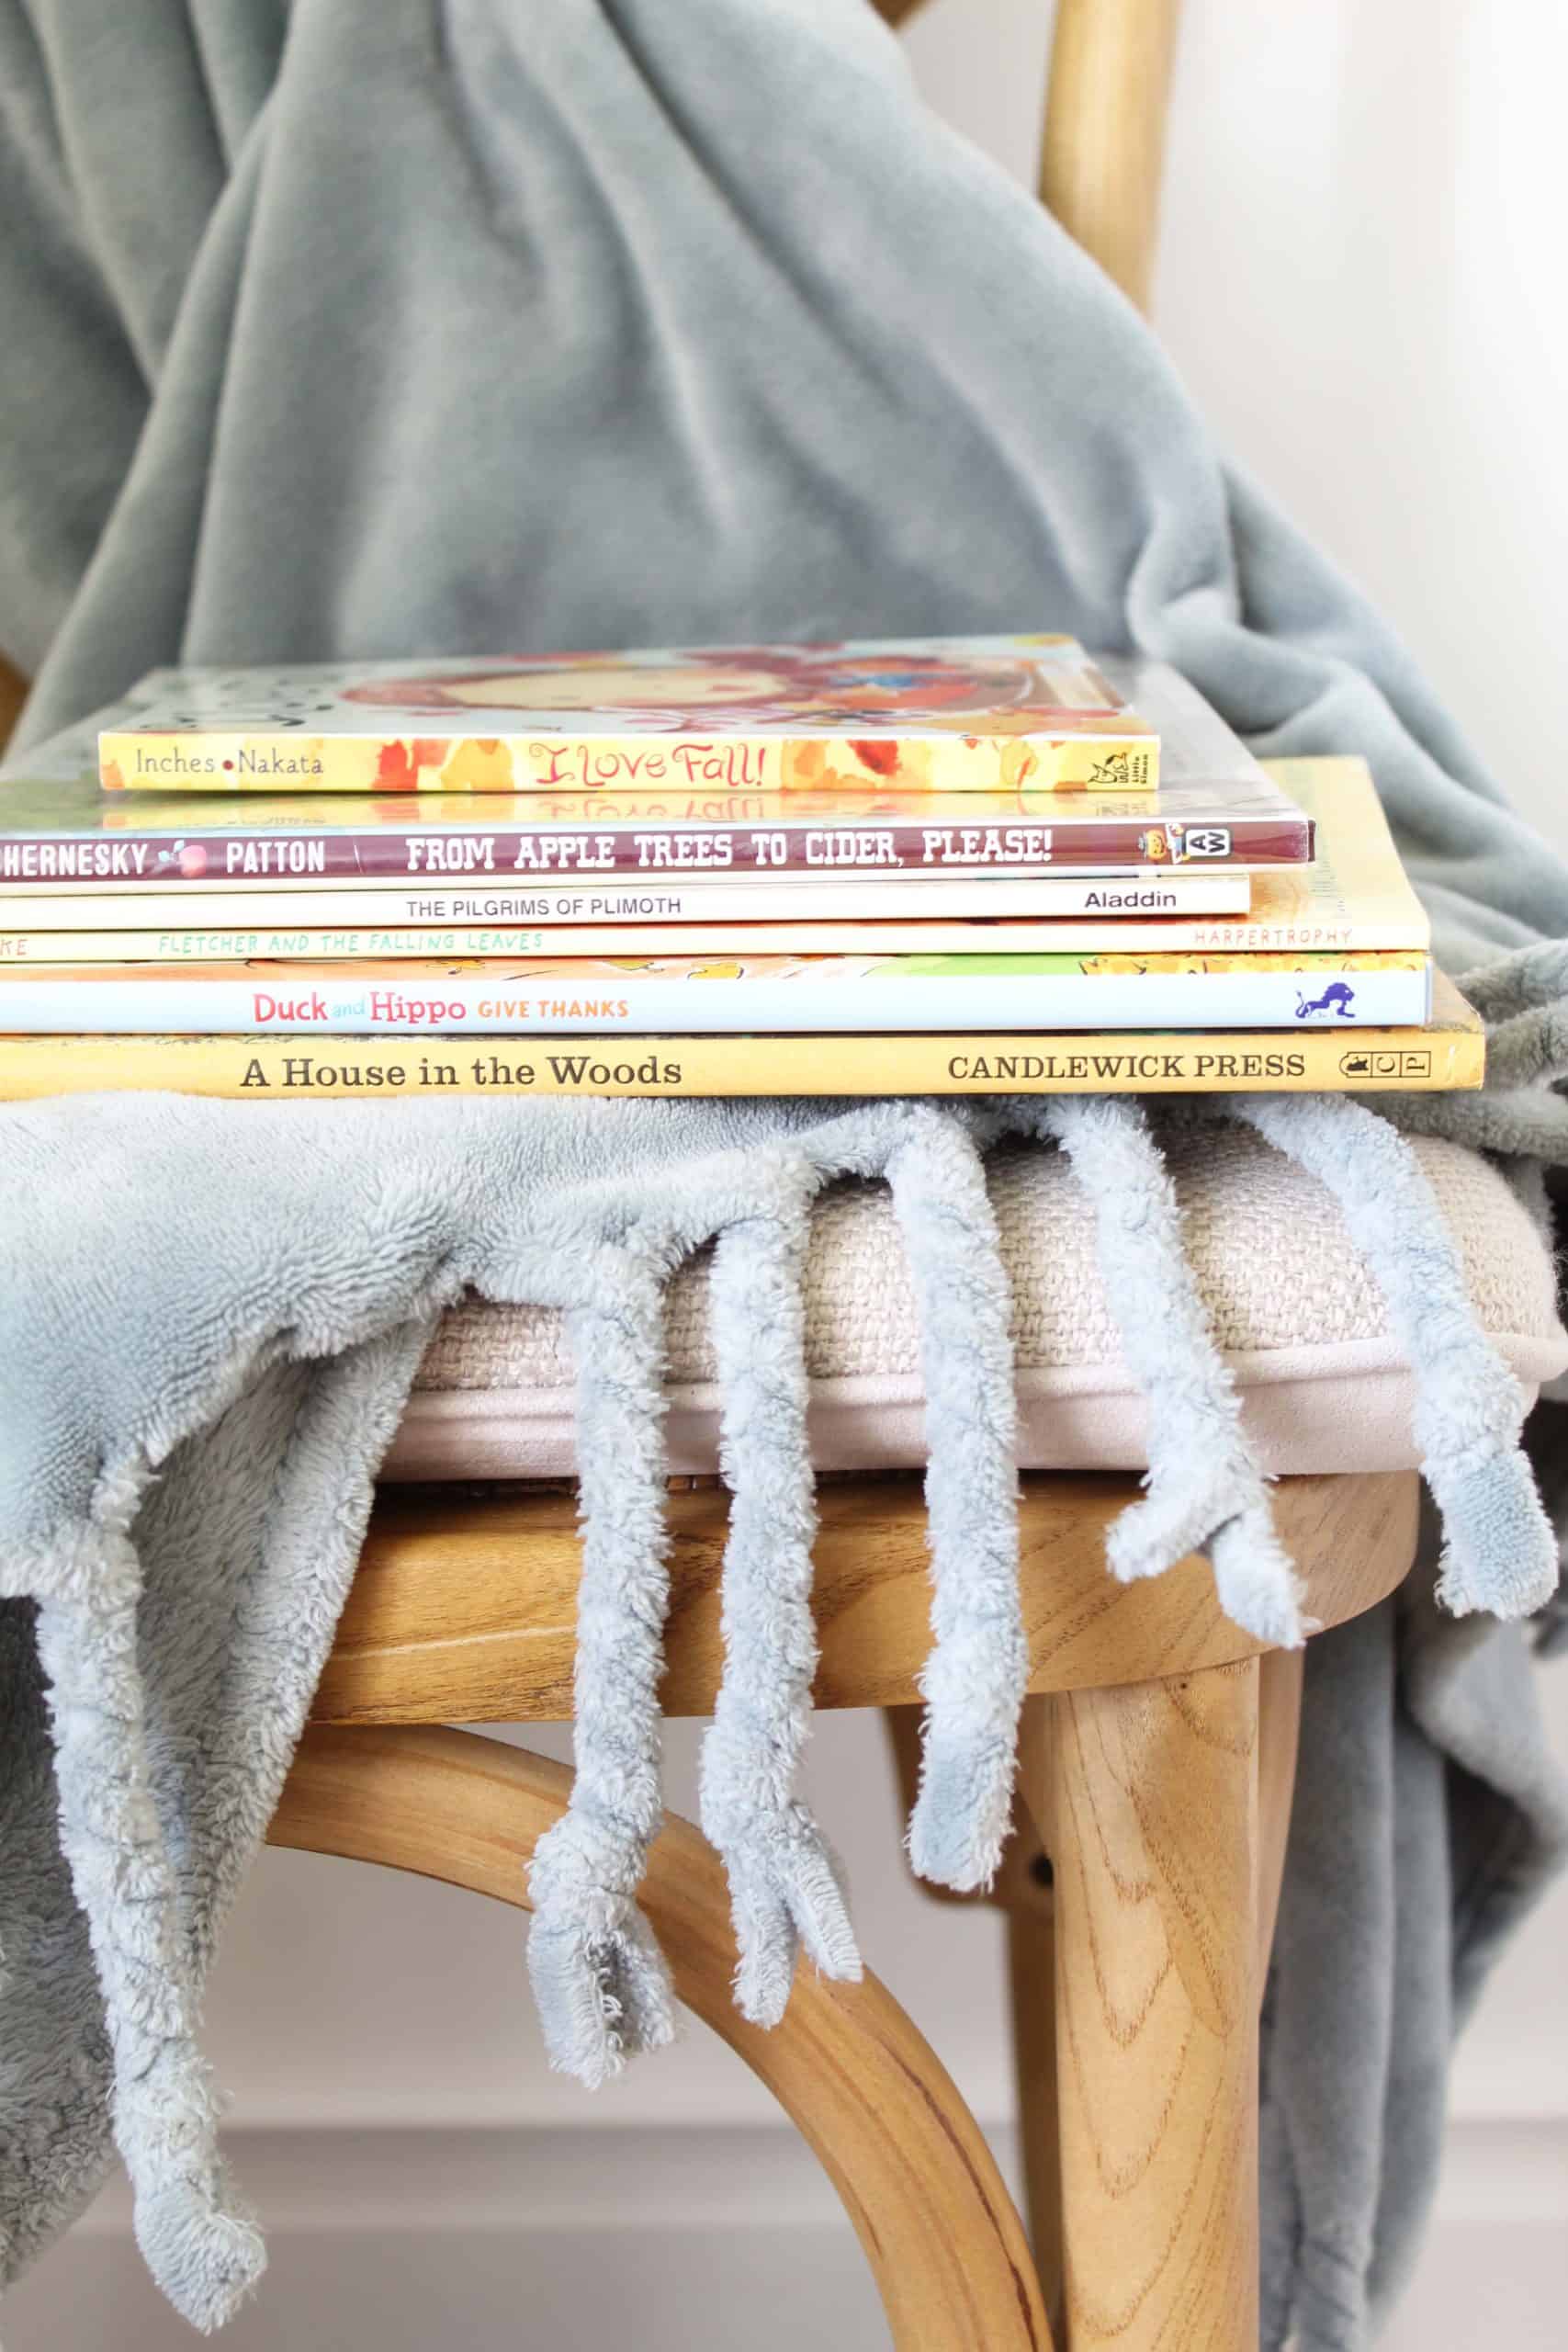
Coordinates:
(506,1005)
(1059,935)
(796,897)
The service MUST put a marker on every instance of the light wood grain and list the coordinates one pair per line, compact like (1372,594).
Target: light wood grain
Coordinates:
(1104,148)
(1154,1822)
(864,2088)
(464,1608)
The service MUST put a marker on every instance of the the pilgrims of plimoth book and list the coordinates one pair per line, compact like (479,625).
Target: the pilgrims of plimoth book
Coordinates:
(980,714)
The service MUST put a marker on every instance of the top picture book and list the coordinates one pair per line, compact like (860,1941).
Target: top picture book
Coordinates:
(943,715)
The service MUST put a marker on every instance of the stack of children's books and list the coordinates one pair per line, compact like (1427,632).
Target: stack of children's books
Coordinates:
(955,865)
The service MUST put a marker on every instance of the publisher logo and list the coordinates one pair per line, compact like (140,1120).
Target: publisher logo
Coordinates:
(1407,1061)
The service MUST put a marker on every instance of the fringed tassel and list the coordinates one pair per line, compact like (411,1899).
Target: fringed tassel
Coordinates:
(1501,1553)
(198,2238)
(785,1888)
(599,1977)
(1206,1491)
(978,1669)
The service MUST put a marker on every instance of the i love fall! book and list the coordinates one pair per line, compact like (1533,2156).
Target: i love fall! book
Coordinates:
(981,714)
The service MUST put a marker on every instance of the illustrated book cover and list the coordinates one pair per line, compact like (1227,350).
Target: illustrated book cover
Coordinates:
(980,714)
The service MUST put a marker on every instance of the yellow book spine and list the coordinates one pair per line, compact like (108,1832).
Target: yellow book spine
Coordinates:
(306,1069)
(1112,754)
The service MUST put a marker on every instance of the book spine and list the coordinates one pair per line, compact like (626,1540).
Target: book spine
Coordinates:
(409,942)
(872,993)
(657,853)
(292,1068)
(1121,756)
(793,898)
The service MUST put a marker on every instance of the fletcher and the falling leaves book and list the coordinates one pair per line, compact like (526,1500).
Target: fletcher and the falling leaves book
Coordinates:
(978,713)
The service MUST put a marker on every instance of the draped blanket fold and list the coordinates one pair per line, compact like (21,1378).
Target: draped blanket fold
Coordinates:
(479,325)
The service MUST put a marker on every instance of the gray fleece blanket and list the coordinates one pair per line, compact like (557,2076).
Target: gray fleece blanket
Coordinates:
(333,329)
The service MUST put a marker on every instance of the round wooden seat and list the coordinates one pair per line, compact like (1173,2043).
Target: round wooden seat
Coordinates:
(464,1607)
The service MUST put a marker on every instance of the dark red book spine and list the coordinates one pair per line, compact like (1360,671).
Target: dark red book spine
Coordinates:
(850,845)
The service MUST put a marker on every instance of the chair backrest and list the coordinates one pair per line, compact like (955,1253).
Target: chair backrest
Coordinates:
(1103,149)
(1100,159)
(1103,154)
(13,689)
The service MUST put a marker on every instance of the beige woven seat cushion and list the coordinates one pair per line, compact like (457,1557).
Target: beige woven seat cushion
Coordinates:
(1297,1314)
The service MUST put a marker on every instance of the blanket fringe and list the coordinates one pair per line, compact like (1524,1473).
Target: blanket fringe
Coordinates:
(197,2237)
(1205,1488)
(602,1988)
(601,1985)
(1500,1552)
(785,1888)
(978,1669)
(598,1978)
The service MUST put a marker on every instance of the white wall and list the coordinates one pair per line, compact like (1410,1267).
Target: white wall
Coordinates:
(1362,280)
(1363,285)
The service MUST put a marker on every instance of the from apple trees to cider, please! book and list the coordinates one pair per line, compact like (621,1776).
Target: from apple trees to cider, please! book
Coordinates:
(55,834)
(704,996)
(1354,896)
(977,714)
(1450,1053)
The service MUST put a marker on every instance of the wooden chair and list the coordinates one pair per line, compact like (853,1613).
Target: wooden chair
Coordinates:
(1156,1771)
(1157,1757)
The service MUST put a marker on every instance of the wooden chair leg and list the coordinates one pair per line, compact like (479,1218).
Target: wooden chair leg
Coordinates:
(1032,1983)
(903,2151)
(1154,1836)
(1023,1891)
